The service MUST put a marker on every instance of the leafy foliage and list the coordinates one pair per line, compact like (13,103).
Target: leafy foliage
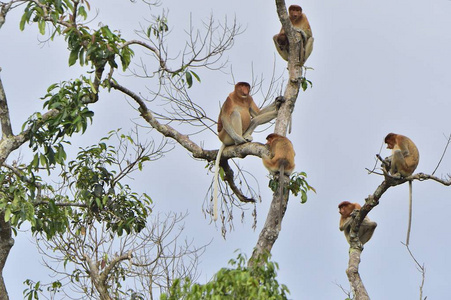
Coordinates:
(93,179)
(298,184)
(71,115)
(241,282)
(99,188)
(98,47)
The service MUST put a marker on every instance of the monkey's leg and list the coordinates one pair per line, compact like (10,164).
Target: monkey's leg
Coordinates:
(234,128)
(267,114)
(308,46)
(398,163)
(366,230)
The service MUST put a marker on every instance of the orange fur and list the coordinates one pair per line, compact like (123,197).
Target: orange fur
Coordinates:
(241,102)
(405,155)
(238,118)
(367,227)
(282,153)
(300,22)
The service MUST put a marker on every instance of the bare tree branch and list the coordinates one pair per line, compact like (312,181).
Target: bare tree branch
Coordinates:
(420,269)
(443,154)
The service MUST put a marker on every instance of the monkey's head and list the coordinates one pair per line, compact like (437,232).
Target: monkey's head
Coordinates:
(345,208)
(390,140)
(270,138)
(295,12)
(242,89)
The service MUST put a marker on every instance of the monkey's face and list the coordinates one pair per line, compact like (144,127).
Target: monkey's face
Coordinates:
(295,15)
(390,145)
(345,208)
(243,91)
(341,210)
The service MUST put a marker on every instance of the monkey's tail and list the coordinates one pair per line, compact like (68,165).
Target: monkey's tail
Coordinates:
(410,214)
(281,187)
(216,183)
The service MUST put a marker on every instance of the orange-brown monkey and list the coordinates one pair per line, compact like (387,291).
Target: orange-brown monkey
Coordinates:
(300,23)
(366,228)
(282,155)
(238,118)
(405,156)
(281,161)
(403,162)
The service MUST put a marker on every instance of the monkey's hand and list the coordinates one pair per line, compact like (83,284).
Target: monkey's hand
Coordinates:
(279,101)
(304,36)
(386,163)
(354,213)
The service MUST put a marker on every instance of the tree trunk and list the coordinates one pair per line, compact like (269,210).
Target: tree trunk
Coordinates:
(358,288)
(6,243)
(271,229)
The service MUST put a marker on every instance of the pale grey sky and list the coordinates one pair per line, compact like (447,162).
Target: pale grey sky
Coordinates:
(379,67)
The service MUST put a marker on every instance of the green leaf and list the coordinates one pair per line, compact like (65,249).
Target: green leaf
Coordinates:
(196,76)
(303,197)
(73,57)
(41,26)
(82,12)
(7,214)
(189,79)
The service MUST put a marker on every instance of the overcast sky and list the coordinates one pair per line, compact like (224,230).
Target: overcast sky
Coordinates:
(379,67)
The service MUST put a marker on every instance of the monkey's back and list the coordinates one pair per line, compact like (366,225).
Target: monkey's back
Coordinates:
(284,154)
(413,158)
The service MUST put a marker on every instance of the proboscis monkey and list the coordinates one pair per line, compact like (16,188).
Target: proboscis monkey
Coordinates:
(366,228)
(280,161)
(238,118)
(403,162)
(300,23)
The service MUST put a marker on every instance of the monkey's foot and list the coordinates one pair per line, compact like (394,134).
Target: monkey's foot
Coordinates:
(248,138)
(280,100)
(240,141)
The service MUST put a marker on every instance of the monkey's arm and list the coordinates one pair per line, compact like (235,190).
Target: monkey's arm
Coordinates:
(254,110)
(347,222)
(403,148)
(344,225)
(264,116)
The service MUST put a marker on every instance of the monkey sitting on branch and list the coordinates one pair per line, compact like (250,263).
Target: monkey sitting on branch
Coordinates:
(402,163)
(238,118)
(346,210)
(280,162)
(301,24)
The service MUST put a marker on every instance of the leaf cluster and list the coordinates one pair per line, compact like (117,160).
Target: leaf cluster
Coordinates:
(56,11)
(241,282)
(96,184)
(46,135)
(298,184)
(98,48)
(93,180)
